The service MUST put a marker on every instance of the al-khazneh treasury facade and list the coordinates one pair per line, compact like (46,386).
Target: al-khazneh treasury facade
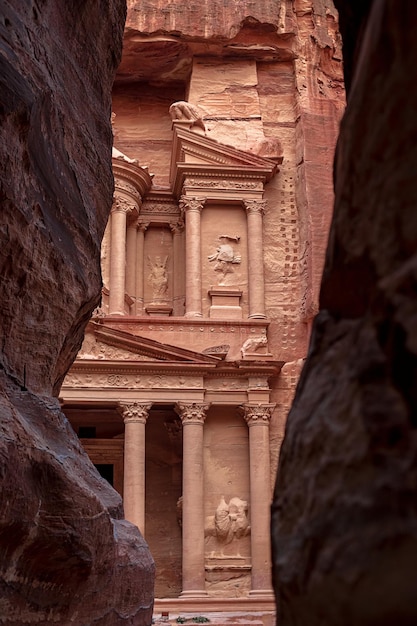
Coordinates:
(211,267)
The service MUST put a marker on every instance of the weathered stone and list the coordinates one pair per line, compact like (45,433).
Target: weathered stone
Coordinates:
(66,555)
(344,515)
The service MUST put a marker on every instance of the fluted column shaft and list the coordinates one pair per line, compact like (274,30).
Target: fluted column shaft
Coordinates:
(192,208)
(257,418)
(135,416)
(193,562)
(254,212)
(118,256)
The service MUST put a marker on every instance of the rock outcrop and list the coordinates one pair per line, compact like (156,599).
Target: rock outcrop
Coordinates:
(345,512)
(66,554)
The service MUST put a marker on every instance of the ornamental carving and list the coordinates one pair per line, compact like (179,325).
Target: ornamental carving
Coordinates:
(257,414)
(253,344)
(132,381)
(191,204)
(135,412)
(186,112)
(192,413)
(159,207)
(255,206)
(123,205)
(229,522)
(225,257)
(125,186)
(158,278)
(223,184)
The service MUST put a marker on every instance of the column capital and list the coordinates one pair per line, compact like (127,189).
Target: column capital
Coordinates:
(255,206)
(135,412)
(176,227)
(191,204)
(192,413)
(255,414)
(123,205)
(142,226)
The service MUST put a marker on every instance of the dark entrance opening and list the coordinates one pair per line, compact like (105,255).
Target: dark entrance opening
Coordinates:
(106,471)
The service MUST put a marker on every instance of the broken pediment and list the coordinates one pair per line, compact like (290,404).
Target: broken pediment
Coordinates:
(103,343)
(196,157)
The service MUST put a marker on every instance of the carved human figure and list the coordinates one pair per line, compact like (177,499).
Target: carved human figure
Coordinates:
(185,111)
(225,257)
(158,277)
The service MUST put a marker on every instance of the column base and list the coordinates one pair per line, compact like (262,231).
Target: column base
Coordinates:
(257,316)
(193,314)
(194,593)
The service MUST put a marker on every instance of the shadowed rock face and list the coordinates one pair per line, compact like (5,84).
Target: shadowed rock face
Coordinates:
(66,556)
(344,514)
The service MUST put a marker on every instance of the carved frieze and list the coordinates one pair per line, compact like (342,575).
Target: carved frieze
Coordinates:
(229,183)
(131,381)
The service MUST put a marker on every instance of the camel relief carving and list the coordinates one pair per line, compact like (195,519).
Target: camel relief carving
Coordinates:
(229,523)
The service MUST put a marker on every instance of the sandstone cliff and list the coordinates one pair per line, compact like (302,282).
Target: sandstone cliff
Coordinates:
(344,515)
(66,556)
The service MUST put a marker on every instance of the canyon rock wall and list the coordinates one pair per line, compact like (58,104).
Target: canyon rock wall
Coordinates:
(344,514)
(66,555)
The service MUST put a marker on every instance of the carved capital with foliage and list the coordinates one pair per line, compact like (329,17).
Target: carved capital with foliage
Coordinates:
(192,413)
(191,204)
(135,412)
(257,414)
(255,206)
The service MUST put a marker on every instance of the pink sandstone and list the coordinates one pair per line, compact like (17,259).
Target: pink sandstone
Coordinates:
(66,554)
(344,514)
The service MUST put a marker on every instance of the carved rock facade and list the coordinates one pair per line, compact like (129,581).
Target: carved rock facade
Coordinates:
(210,268)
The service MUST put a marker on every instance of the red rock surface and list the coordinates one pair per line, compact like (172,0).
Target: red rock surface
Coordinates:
(344,515)
(66,556)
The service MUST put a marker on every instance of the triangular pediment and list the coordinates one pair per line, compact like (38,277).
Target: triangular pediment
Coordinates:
(109,344)
(196,153)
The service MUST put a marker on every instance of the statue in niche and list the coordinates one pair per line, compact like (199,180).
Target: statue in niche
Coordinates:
(158,277)
(187,112)
(225,258)
(229,522)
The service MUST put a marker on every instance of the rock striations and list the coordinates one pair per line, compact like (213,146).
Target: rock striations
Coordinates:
(66,554)
(345,513)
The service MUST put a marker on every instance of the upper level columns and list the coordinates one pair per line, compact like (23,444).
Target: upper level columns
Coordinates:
(193,566)
(135,415)
(121,208)
(192,208)
(255,210)
(257,417)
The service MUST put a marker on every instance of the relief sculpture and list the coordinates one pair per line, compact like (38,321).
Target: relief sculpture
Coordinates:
(230,521)
(158,278)
(225,258)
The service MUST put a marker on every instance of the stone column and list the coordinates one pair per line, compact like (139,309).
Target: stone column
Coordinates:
(119,212)
(257,418)
(193,572)
(192,208)
(131,258)
(140,251)
(254,211)
(135,415)
(178,274)
(105,255)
